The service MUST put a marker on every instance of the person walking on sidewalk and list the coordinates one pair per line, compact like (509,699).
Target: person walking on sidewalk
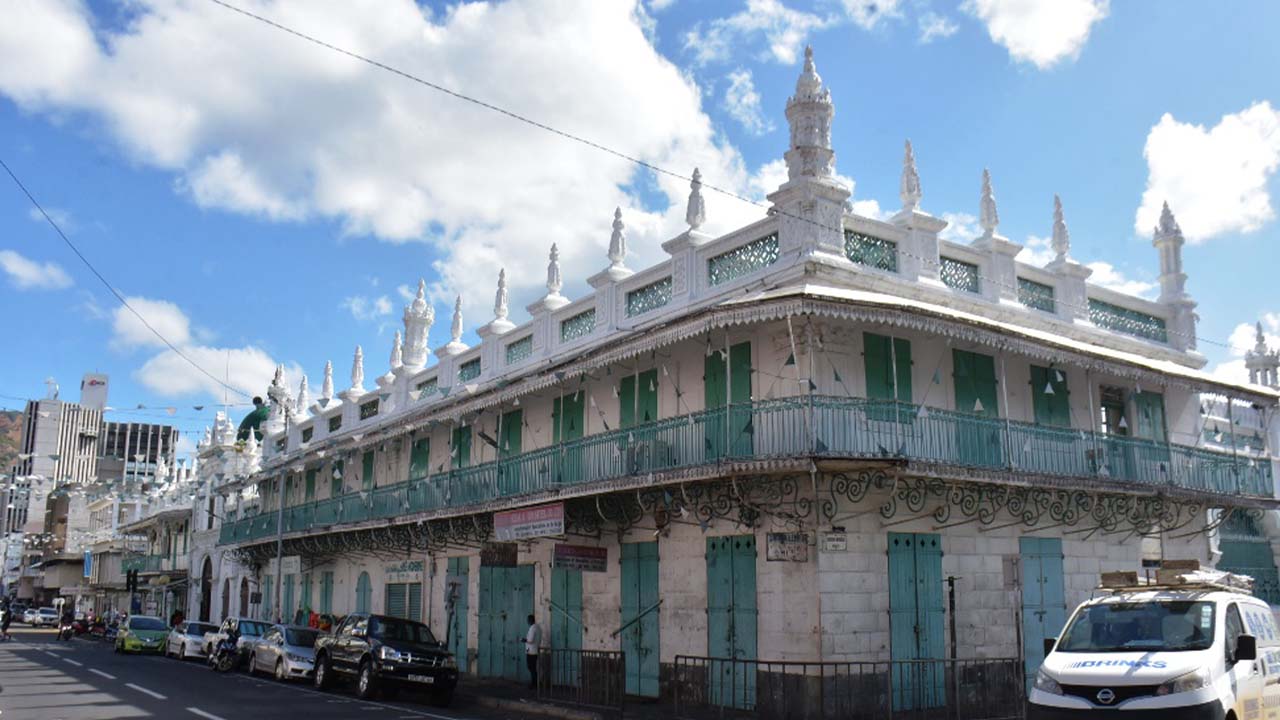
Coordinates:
(532,640)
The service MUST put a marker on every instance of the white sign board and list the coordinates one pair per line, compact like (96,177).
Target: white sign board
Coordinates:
(835,542)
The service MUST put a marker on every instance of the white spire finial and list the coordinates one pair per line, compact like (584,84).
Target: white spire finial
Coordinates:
(1259,337)
(456,329)
(397,352)
(357,370)
(696,212)
(418,318)
(809,82)
(326,387)
(1168,225)
(809,114)
(618,241)
(909,187)
(304,398)
(554,282)
(1061,241)
(987,215)
(500,310)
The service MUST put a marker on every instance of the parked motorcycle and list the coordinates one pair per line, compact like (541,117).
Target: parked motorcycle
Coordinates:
(66,630)
(226,655)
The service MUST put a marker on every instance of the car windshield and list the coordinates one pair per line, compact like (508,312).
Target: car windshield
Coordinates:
(301,638)
(394,629)
(1140,626)
(48,611)
(251,628)
(199,629)
(146,623)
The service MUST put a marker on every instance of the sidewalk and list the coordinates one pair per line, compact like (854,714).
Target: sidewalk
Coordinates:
(516,697)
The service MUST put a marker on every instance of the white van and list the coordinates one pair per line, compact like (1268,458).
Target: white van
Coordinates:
(1163,653)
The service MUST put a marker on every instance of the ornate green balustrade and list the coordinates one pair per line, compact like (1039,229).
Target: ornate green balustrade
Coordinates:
(822,426)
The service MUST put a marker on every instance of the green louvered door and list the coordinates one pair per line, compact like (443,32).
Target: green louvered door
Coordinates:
(456,589)
(731,619)
(639,637)
(326,592)
(916,621)
(566,625)
(506,600)
(364,594)
(287,607)
(637,411)
(1044,607)
(1152,457)
(980,440)
(727,382)
(568,418)
(509,446)
(887,365)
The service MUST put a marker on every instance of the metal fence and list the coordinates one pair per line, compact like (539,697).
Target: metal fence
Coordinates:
(706,687)
(590,678)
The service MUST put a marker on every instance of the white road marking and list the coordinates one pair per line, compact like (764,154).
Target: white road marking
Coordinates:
(145,691)
(73,662)
(108,676)
(203,714)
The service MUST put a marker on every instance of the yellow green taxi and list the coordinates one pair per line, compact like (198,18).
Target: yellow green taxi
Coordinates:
(141,633)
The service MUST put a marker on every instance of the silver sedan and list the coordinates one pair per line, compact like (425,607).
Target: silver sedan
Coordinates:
(286,651)
(187,639)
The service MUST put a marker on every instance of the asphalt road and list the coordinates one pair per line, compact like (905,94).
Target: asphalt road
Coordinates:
(43,679)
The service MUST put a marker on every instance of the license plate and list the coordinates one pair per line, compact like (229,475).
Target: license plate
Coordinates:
(422,679)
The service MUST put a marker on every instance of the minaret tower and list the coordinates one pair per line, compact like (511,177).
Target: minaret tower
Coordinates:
(1168,241)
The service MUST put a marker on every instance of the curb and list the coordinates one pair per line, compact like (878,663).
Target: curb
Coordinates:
(534,707)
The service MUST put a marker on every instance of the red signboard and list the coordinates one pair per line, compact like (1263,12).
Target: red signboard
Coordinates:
(581,557)
(526,523)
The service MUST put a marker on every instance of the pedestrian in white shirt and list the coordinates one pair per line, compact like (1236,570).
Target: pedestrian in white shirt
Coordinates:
(532,640)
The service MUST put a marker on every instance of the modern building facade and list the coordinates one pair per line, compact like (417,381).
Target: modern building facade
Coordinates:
(820,437)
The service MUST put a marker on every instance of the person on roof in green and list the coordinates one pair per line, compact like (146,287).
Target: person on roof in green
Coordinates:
(253,421)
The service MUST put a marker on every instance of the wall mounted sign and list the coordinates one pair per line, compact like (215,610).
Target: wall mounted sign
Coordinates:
(528,523)
(581,557)
(835,542)
(787,547)
(408,571)
(502,554)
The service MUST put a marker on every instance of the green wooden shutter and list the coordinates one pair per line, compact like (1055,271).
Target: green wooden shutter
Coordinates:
(366,471)
(975,381)
(461,447)
(326,591)
(306,593)
(638,399)
(311,486)
(336,479)
(286,598)
(1050,408)
(878,361)
(627,401)
(509,440)
(420,458)
(1149,409)
(267,597)
(396,600)
(569,427)
(364,590)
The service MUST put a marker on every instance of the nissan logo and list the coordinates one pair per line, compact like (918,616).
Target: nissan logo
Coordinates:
(1106,696)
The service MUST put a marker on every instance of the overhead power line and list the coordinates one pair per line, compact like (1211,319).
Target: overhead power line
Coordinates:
(582,140)
(178,351)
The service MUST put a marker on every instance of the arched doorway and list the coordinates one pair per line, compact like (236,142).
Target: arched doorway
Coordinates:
(244,596)
(364,593)
(226,597)
(206,590)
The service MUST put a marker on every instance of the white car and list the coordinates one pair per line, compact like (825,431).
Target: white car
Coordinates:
(187,639)
(248,629)
(45,617)
(30,615)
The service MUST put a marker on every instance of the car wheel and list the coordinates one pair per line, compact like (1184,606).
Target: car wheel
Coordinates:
(253,664)
(281,675)
(322,673)
(366,685)
(442,699)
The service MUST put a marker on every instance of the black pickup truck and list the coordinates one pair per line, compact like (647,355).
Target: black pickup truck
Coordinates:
(384,654)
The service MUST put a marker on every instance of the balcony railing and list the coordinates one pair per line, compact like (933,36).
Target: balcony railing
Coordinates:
(153,563)
(820,426)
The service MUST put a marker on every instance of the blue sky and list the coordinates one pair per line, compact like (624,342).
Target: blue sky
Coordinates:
(264,201)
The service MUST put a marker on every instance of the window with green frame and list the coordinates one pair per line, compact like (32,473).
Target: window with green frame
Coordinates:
(887,365)
(420,458)
(336,479)
(1148,412)
(1050,401)
(975,380)
(638,398)
(367,479)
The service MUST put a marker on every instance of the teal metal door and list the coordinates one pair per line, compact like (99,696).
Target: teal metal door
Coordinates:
(506,600)
(566,624)
(456,589)
(731,619)
(916,620)
(1246,550)
(1044,607)
(639,629)
(364,592)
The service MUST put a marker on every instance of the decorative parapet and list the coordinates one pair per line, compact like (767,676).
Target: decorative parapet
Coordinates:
(743,260)
(649,297)
(577,326)
(1036,295)
(1130,322)
(871,251)
(960,275)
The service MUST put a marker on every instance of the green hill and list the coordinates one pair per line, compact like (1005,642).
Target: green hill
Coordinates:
(10,436)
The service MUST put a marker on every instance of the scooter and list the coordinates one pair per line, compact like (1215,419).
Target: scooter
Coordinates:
(65,631)
(226,655)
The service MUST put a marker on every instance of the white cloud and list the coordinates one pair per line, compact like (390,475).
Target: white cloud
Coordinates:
(1039,32)
(248,368)
(742,102)
(934,26)
(406,293)
(1215,180)
(773,173)
(784,31)
(27,274)
(60,217)
(367,308)
(1109,276)
(1241,341)
(1036,251)
(868,13)
(961,227)
(285,130)
(660,5)
(168,319)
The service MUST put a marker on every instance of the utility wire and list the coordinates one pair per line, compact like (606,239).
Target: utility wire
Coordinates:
(595,145)
(110,288)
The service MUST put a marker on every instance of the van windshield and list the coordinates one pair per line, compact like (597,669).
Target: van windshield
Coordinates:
(1165,626)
